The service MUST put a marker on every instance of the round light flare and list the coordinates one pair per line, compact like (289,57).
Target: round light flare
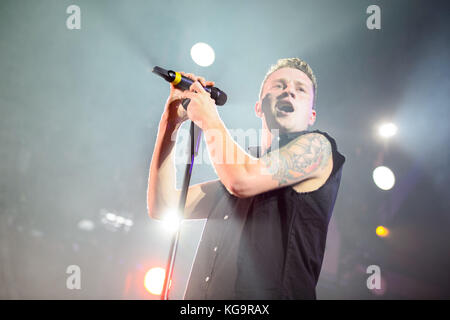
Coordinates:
(154,280)
(387,130)
(202,54)
(382,232)
(383,177)
(110,216)
(171,220)
(86,225)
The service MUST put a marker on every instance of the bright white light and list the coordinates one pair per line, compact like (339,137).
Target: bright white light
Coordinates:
(110,216)
(154,280)
(171,220)
(120,220)
(383,177)
(86,225)
(202,54)
(387,130)
(128,222)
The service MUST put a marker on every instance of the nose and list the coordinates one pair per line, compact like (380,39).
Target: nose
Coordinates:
(290,89)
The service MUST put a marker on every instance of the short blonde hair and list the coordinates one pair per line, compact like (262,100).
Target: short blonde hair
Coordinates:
(295,63)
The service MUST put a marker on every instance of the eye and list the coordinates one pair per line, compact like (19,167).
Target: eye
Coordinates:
(277,85)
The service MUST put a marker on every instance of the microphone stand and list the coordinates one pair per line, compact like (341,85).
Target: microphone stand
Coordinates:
(195,136)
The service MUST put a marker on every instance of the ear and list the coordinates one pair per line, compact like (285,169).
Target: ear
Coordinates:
(258,111)
(312,118)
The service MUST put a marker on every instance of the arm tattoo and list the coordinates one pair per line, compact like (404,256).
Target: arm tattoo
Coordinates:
(299,159)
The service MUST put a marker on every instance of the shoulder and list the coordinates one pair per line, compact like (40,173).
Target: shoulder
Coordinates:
(304,157)
(312,145)
(337,157)
(313,137)
(323,146)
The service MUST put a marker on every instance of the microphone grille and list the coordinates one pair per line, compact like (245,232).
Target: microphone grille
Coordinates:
(219,96)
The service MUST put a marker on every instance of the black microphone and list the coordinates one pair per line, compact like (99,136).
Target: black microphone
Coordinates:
(182,82)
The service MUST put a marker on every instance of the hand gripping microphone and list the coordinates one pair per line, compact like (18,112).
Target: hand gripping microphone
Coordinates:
(220,98)
(184,83)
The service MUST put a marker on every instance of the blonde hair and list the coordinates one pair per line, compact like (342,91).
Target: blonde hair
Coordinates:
(295,63)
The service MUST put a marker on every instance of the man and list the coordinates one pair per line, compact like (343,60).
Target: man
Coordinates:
(267,215)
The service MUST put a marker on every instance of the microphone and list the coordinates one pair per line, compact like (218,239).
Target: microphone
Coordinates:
(184,83)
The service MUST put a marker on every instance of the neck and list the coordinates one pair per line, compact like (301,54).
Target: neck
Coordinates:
(266,140)
(267,137)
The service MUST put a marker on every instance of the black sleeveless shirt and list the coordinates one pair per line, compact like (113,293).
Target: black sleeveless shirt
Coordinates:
(269,246)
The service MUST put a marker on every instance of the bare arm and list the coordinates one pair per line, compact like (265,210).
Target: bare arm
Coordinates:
(306,157)
(162,194)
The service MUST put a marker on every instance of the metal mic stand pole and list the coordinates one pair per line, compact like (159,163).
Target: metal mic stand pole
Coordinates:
(195,133)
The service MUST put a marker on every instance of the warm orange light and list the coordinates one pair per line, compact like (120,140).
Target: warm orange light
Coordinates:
(154,280)
(382,231)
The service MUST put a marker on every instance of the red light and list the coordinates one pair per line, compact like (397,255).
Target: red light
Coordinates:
(154,280)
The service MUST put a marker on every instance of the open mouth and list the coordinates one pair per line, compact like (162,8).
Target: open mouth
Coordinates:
(284,106)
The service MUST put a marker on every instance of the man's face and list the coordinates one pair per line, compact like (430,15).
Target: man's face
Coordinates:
(286,101)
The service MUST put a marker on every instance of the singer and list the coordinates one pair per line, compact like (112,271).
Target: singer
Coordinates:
(267,216)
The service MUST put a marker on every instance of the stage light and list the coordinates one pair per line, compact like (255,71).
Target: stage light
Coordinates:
(120,220)
(86,225)
(202,54)
(154,280)
(114,222)
(383,177)
(387,130)
(171,220)
(110,216)
(382,231)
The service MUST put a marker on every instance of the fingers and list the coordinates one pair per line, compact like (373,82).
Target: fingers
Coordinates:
(187,95)
(197,87)
(201,80)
